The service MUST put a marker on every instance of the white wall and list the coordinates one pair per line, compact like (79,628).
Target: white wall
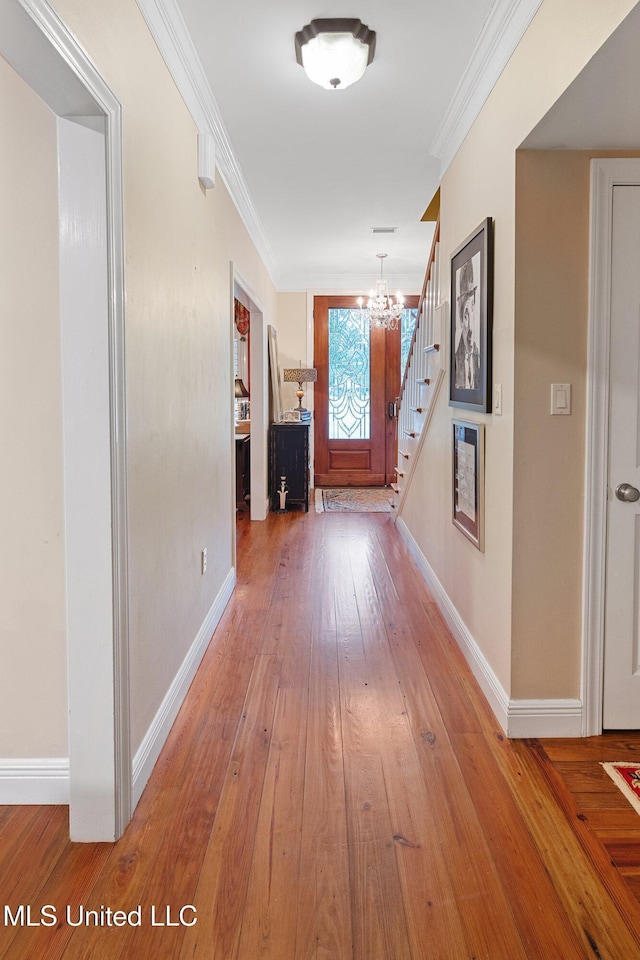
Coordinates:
(33,715)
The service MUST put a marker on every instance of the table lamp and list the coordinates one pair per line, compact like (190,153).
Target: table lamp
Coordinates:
(300,375)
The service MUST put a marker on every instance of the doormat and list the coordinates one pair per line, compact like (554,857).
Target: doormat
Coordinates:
(353,500)
(626,777)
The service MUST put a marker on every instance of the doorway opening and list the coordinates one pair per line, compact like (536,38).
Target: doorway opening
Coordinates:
(47,58)
(250,413)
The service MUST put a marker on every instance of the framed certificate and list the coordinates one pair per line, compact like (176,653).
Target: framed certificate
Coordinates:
(468,480)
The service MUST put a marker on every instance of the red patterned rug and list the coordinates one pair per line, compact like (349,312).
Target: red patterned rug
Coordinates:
(353,500)
(626,777)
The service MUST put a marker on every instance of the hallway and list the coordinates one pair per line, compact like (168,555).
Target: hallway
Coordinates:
(334,787)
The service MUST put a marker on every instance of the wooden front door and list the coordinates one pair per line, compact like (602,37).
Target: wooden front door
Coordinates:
(358,376)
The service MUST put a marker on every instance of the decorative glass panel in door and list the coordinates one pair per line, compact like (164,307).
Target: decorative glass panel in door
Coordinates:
(407,326)
(349,375)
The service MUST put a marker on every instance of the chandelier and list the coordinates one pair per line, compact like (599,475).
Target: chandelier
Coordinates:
(384,311)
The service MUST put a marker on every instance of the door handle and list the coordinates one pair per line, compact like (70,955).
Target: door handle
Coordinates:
(624,491)
(392,409)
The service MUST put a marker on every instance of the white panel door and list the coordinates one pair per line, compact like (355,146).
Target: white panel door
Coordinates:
(621,704)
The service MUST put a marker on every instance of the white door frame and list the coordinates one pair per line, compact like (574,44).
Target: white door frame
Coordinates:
(43,52)
(605,175)
(259,503)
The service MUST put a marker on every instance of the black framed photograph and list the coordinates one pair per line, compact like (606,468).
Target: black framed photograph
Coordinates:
(468,480)
(471,321)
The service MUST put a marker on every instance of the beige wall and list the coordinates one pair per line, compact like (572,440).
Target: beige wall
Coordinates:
(552,259)
(481,182)
(179,241)
(32,618)
(292,342)
(552,265)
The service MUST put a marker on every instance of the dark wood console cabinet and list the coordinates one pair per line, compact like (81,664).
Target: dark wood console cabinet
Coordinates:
(243,467)
(289,458)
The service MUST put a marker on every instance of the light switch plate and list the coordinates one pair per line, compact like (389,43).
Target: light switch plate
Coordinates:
(497,399)
(560,399)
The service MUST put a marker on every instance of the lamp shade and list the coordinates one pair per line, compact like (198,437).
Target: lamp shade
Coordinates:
(240,391)
(300,375)
(335,52)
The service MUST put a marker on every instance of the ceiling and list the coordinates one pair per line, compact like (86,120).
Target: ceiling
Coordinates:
(321,168)
(600,110)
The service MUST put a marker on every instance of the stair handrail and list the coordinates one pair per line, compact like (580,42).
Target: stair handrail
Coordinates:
(422,378)
(430,264)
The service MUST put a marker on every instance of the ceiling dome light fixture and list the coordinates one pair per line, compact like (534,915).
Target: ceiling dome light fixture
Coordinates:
(383,310)
(335,52)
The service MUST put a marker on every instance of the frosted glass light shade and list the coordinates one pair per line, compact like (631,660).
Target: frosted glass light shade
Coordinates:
(335,53)
(334,60)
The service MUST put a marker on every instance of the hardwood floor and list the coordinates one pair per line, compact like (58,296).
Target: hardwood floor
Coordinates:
(600,808)
(334,787)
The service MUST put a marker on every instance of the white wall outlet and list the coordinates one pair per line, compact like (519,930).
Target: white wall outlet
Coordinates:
(497,399)
(203,561)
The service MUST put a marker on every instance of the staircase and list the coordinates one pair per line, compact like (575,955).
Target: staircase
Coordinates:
(423,376)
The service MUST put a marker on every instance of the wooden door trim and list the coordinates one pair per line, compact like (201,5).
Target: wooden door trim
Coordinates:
(381,472)
(324,474)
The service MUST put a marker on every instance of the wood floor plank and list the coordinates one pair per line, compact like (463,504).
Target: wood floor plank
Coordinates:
(323,923)
(584,898)
(25,833)
(606,800)
(379,922)
(222,887)
(67,888)
(433,921)
(269,922)
(30,853)
(623,821)
(484,905)
(632,879)
(605,748)
(623,852)
(586,777)
(183,810)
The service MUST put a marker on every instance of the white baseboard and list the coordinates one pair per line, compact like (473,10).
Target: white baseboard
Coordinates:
(155,737)
(544,718)
(46,781)
(518,718)
(41,781)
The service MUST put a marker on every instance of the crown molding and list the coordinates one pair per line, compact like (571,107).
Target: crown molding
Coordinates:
(168,29)
(502,32)
(409,283)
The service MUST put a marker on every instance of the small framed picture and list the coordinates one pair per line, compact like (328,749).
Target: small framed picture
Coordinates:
(471,321)
(468,480)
